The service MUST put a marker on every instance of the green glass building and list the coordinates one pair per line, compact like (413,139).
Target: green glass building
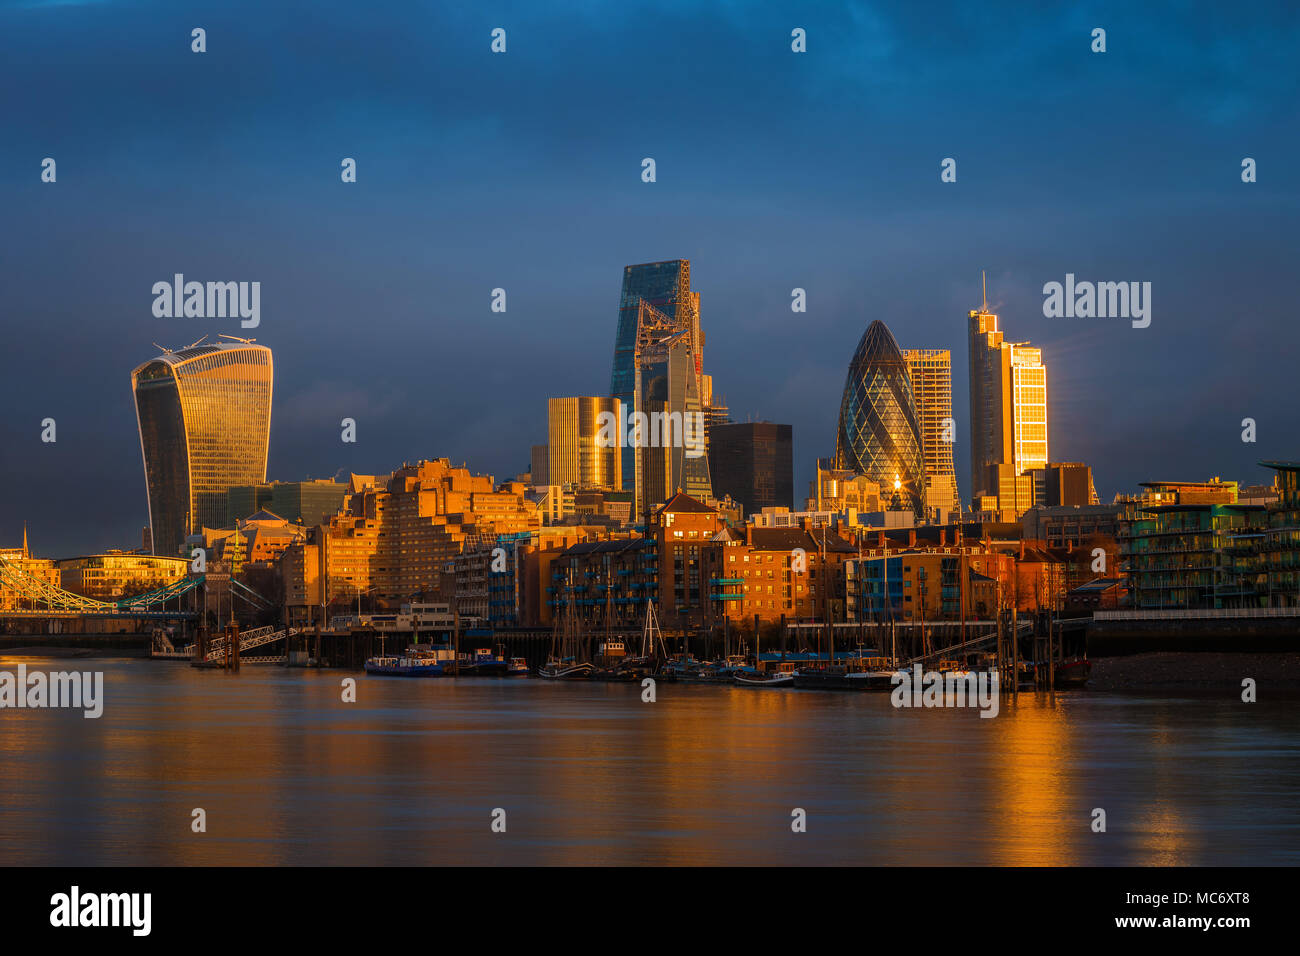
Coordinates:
(1194,556)
(1280,548)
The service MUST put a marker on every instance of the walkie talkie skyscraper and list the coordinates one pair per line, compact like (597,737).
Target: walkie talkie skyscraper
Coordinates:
(204,415)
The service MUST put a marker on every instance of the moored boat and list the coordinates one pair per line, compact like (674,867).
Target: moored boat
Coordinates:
(484,662)
(567,651)
(823,676)
(412,664)
(611,662)
(1073,672)
(956,668)
(616,675)
(568,669)
(685,669)
(782,676)
(875,674)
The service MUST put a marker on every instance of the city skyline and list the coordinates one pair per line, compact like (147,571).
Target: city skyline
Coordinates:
(377,294)
(687,433)
(1015,352)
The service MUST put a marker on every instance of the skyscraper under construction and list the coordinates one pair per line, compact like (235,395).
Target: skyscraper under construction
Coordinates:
(659,368)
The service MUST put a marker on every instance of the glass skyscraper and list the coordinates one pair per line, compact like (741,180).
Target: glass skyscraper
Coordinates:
(879,434)
(1029,407)
(575,454)
(656,302)
(1008,408)
(931,374)
(990,399)
(670,457)
(754,463)
(204,415)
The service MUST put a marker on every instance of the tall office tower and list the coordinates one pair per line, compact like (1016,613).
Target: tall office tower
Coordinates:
(878,434)
(754,463)
(931,375)
(204,415)
(576,456)
(1028,407)
(991,433)
(671,455)
(656,302)
(1008,409)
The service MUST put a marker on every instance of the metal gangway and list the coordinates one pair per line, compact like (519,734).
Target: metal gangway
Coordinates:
(974,643)
(248,640)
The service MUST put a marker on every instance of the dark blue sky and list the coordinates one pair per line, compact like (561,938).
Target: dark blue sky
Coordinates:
(522,170)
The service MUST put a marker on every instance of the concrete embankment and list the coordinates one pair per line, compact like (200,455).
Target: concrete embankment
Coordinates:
(1235,635)
(75,645)
(1172,671)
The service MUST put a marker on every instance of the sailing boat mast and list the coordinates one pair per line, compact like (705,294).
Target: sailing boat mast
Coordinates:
(889,616)
(609,591)
(652,639)
(826,611)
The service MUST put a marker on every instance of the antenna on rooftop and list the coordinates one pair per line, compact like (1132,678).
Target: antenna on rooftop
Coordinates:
(196,343)
(162,348)
(236,338)
(984,284)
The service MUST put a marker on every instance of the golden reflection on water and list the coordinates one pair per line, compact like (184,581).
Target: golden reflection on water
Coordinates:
(1037,817)
(589,774)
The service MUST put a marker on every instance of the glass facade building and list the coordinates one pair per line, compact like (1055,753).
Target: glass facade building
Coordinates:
(673,456)
(656,301)
(301,502)
(879,434)
(754,463)
(1008,406)
(1280,549)
(991,434)
(931,373)
(204,415)
(1192,556)
(1029,408)
(574,454)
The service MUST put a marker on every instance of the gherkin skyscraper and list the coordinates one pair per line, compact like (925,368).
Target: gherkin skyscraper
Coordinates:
(879,433)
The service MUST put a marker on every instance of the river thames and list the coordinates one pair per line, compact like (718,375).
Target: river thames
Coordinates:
(415,771)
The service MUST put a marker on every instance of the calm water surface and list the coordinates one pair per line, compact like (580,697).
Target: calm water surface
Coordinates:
(588,774)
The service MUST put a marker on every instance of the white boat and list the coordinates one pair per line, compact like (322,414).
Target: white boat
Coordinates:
(783,676)
(759,679)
